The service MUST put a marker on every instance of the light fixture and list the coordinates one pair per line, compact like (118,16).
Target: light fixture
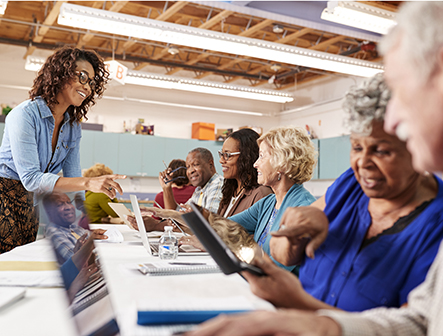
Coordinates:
(166,32)
(358,15)
(186,84)
(275,67)
(277,29)
(177,83)
(34,63)
(3,5)
(173,50)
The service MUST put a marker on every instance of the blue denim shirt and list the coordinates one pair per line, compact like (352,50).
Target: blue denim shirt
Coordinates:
(26,148)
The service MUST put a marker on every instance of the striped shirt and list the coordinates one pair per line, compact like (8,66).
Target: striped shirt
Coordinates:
(64,239)
(210,195)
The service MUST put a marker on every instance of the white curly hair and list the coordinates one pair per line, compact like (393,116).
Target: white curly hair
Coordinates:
(365,104)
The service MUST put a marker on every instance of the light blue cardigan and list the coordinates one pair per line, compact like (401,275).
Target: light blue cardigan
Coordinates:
(255,218)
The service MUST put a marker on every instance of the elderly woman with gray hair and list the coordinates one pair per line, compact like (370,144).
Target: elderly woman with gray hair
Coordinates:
(383,219)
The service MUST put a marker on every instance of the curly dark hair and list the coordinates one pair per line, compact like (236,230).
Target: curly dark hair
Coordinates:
(174,164)
(248,148)
(59,69)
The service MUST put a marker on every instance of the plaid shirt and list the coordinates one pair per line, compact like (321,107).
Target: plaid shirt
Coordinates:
(64,239)
(211,193)
(422,316)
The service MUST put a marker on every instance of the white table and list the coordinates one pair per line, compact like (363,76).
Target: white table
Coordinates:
(127,286)
(44,311)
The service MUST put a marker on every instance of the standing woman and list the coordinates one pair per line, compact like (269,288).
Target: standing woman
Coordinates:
(42,137)
(240,188)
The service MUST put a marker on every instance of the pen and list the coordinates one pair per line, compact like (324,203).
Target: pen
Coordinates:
(186,263)
(178,225)
(166,166)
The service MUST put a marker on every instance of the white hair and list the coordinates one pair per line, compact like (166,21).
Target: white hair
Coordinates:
(421,23)
(365,104)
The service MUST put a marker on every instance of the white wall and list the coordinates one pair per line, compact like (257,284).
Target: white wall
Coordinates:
(319,105)
(308,108)
(169,121)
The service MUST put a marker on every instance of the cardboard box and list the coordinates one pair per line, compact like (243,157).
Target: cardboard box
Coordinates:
(203,131)
(222,134)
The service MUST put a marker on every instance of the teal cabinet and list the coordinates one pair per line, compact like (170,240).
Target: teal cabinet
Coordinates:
(106,149)
(153,149)
(176,149)
(334,157)
(130,154)
(142,155)
(87,149)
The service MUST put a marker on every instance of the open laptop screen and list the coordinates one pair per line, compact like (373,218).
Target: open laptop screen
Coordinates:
(85,286)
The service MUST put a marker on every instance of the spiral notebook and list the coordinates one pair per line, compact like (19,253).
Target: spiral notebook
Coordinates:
(178,268)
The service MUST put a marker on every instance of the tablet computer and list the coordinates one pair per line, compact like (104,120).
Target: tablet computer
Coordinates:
(223,256)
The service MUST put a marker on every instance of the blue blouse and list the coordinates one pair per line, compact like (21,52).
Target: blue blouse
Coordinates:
(255,219)
(383,272)
(26,148)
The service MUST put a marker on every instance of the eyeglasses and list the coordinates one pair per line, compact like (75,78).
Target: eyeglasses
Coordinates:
(173,171)
(175,178)
(226,155)
(83,78)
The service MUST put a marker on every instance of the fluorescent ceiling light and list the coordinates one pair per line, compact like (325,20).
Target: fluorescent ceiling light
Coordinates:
(186,84)
(143,28)
(34,63)
(359,15)
(3,5)
(193,107)
(167,82)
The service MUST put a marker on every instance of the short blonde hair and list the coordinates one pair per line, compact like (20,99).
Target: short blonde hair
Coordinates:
(98,169)
(292,152)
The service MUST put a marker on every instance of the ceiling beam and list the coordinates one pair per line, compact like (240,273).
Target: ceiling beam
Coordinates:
(256,28)
(295,35)
(171,10)
(49,21)
(216,19)
(327,43)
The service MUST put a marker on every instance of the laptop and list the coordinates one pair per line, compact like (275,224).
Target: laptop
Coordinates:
(86,289)
(152,248)
(223,256)
(122,212)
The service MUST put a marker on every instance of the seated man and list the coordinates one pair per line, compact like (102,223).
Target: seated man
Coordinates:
(201,172)
(63,228)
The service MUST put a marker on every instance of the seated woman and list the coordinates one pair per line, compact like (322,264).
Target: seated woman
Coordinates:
(385,223)
(240,187)
(286,160)
(96,204)
(181,189)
